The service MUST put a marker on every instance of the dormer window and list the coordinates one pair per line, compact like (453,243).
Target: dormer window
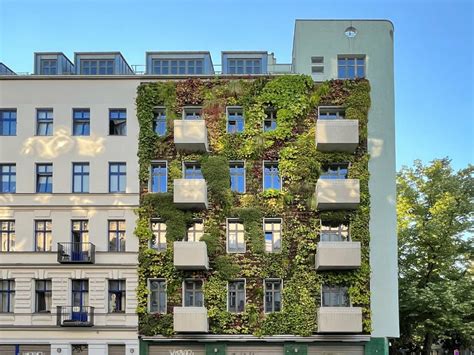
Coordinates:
(97,67)
(245,66)
(49,66)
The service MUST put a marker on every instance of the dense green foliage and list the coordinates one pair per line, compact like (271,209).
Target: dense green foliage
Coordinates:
(294,99)
(435,220)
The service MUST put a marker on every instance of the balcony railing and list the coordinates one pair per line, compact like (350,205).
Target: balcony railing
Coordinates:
(75,316)
(76,253)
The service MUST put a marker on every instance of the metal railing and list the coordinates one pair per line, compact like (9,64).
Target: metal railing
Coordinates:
(75,316)
(76,253)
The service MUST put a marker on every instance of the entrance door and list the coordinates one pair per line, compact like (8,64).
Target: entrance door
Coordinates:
(80,300)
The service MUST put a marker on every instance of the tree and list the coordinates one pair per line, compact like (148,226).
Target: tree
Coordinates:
(435,225)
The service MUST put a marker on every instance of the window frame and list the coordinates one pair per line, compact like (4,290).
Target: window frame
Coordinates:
(161,111)
(46,174)
(346,66)
(337,176)
(116,232)
(271,162)
(317,64)
(44,232)
(10,234)
(81,121)
(184,66)
(340,231)
(81,175)
(233,66)
(340,112)
(117,175)
(159,248)
(10,178)
(194,231)
(44,61)
(236,297)
(44,291)
(236,221)
(48,122)
(150,182)
(265,311)
(195,164)
(122,291)
(234,109)
(122,130)
(270,116)
(94,66)
(149,281)
(236,162)
(9,293)
(10,122)
(194,109)
(335,286)
(194,292)
(273,220)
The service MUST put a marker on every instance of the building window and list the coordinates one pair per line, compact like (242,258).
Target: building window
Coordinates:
(236,296)
(192,113)
(117,235)
(317,65)
(350,67)
(49,66)
(271,176)
(193,296)
(237,177)
(44,178)
(270,121)
(244,66)
(192,170)
(80,236)
(43,238)
(235,236)
(44,122)
(118,122)
(80,177)
(335,171)
(97,67)
(80,297)
(157,296)
(7,296)
(273,290)
(159,121)
(159,177)
(330,113)
(335,296)
(117,296)
(177,66)
(196,231)
(7,233)
(81,121)
(117,177)
(7,122)
(235,120)
(158,241)
(272,230)
(7,178)
(43,296)
(334,232)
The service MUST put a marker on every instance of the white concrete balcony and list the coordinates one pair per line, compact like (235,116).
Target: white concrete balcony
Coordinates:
(190,256)
(338,255)
(339,135)
(190,193)
(190,320)
(339,320)
(190,135)
(337,194)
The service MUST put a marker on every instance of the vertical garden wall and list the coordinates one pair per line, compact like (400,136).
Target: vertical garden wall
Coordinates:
(295,99)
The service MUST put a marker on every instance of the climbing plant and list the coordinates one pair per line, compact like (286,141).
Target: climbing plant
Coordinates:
(294,100)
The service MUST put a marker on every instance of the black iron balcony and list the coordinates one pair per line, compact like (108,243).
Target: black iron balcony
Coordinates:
(76,253)
(75,316)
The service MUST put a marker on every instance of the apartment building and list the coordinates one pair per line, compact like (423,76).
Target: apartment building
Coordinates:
(264,200)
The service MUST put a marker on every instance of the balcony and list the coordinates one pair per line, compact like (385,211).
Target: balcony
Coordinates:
(338,255)
(190,320)
(337,194)
(190,256)
(190,135)
(75,316)
(340,320)
(337,135)
(190,193)
(76,253)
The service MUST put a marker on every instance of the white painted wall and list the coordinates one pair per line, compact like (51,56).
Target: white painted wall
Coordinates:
(375,40)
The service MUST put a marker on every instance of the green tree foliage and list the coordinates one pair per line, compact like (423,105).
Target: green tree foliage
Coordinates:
(435,220)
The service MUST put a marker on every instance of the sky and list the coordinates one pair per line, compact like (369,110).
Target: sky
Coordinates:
(433,48)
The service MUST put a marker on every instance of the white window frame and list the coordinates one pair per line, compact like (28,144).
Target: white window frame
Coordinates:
(194,109)
(195,221)
(149,295)
(348,296)
(279,173)
(265,291)
(349,239)
(160,109)
(273,111)
(336,109)
(183,168)
(231,108)
(183,292)
(150,179)
(157,220)
(245,173)
(281,234)
(245,294)
(234,220)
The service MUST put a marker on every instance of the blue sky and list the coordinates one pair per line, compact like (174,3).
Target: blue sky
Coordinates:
(433,48)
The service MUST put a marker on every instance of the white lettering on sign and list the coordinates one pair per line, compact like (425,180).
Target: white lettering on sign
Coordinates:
(181,352)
